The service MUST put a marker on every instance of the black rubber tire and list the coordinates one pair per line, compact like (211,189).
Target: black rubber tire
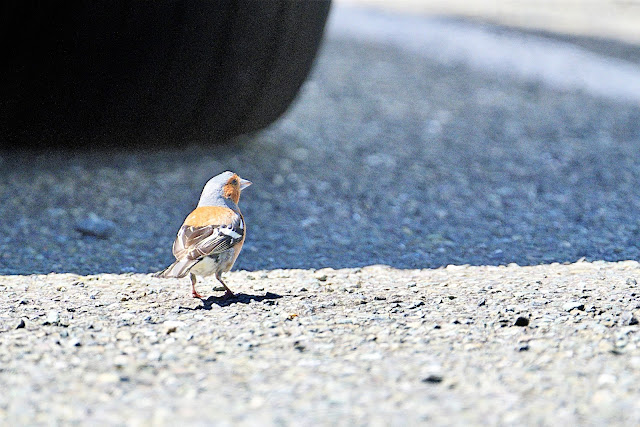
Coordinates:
(76,71)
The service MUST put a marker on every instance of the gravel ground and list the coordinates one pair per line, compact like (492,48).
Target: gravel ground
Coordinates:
(386,158)
(540,345)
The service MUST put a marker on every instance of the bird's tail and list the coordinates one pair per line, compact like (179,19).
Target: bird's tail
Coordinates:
(180,268)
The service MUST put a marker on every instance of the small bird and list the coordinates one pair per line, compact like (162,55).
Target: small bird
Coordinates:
(211,237)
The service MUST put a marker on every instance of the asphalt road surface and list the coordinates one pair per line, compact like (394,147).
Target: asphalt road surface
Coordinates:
(389,156)
(394,153)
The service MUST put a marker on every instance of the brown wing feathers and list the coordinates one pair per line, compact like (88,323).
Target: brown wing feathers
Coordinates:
(208,230)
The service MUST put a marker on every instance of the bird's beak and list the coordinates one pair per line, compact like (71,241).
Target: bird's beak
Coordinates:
(244,183)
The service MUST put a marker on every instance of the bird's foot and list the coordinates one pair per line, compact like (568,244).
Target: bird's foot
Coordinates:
(229,294)
(194,293)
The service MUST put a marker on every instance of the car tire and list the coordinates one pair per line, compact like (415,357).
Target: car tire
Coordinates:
(152,70)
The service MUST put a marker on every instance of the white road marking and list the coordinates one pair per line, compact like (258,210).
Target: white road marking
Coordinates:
(560,65)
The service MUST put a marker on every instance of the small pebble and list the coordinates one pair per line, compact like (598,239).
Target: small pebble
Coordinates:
(124,336)
(172,326)
(95,226)
(53,317)
(522,321)
(433,379)
(628,319)
(573,305)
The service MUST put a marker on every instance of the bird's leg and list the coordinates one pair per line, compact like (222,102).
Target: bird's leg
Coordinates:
(194,293)
(228,292)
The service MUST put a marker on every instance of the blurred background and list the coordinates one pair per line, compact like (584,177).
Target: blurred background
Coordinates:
(614,19)
(428,133)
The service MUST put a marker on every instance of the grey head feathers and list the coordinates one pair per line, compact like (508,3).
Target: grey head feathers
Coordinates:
(212,192)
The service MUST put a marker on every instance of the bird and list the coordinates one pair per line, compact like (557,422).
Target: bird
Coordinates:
(211,237)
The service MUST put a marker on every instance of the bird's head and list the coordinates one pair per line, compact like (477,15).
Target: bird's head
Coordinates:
(234,186)
(227,185)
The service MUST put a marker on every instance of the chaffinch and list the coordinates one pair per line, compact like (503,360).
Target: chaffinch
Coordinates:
(211,236)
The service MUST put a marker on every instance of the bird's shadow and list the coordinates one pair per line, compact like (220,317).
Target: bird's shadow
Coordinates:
(208,303)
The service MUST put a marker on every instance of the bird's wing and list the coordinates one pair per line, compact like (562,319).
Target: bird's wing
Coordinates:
(195,242)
